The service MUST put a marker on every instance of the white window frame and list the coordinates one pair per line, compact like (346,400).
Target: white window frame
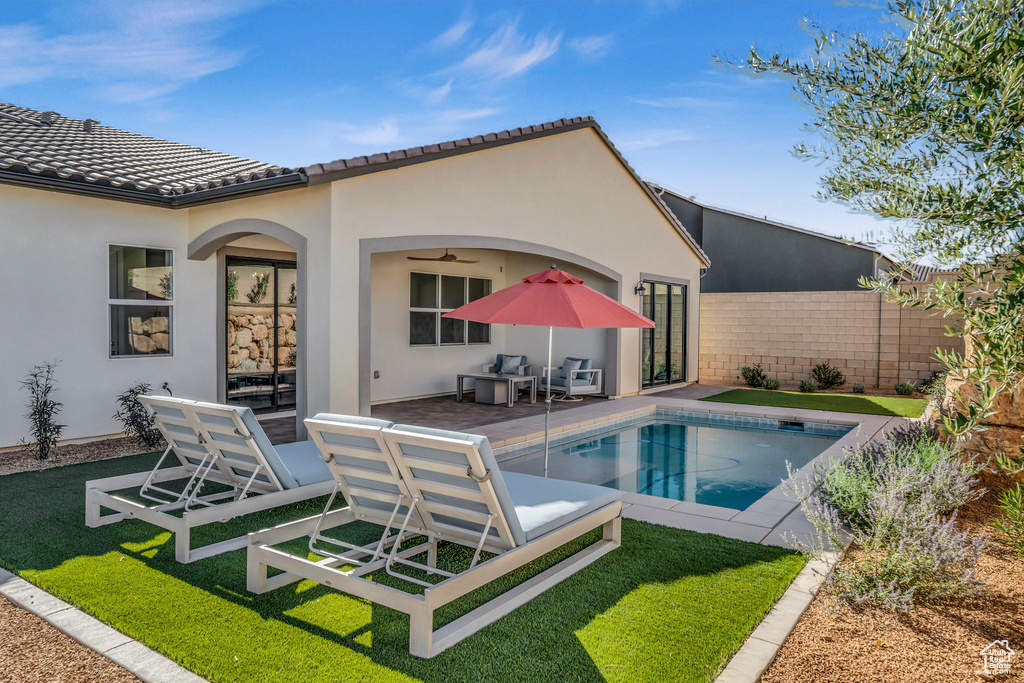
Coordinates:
(141,302)
(439,311)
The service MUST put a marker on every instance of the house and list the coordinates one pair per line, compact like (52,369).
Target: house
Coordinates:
(131,259)
(758,255)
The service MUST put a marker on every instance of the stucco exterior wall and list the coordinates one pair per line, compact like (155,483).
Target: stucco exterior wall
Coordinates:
(566,191)
(873,342)
(54,251)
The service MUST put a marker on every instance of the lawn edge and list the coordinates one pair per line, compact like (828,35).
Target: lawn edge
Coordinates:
(128,653)
(763,644)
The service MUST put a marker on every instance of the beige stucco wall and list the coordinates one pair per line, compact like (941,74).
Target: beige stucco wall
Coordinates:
(873,342)
(566,191)
(55,277)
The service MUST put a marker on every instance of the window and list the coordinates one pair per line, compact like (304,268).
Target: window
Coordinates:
(430,295)
(141,299)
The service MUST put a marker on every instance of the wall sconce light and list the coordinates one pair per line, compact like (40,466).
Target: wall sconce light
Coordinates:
(639,290)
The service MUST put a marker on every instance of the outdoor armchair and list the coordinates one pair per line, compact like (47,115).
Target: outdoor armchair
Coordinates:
(576,377)
(228,466)
(449,490)
(521,368)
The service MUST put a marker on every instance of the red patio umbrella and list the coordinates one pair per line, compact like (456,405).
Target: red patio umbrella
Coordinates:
(552,298)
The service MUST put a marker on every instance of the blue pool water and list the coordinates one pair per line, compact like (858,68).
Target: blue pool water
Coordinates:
(723,465)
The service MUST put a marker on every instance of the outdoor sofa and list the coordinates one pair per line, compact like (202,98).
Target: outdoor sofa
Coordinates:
(423,487)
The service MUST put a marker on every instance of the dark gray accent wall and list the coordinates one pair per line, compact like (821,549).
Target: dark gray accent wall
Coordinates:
(750,255)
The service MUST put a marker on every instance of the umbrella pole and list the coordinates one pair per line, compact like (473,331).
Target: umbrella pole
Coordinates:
(547,402)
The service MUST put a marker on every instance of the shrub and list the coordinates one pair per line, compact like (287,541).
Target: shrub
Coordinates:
(808,386)
(134,418)
(258,291)
(905,389)
(858,388)
(771,383)
(935,386)
(43,410)
(1011,522)
(893,498)
(827,376)
(753,376)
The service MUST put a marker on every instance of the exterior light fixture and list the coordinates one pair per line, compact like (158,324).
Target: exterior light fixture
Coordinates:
(639,290)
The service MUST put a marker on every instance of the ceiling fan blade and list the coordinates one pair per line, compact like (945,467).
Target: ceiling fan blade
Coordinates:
(423,258)
(464,261)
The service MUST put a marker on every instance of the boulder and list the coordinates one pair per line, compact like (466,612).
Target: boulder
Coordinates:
(142,344)
(135,325)
(1009,408)
(995,439)
(231,337)
(243,337)
(158,323)
(248,365)
(162,341)
(260,332)
(291,338)
(264,364)
(282,336)
(242,354)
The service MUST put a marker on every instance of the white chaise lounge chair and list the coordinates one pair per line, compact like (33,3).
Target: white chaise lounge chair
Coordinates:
(443,486)
(214,444)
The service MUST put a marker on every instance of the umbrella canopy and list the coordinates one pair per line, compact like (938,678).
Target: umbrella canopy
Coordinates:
(552,298)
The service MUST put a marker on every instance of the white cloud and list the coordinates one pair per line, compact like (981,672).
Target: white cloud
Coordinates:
(508,53)
(453,116)
(453,35)
(591,47)
(438,95)
(677,102)
(378,135)
(649,139)
(128,52)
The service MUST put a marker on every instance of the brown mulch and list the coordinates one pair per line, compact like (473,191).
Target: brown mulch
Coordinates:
(22,460)
(33,651)
(836,642)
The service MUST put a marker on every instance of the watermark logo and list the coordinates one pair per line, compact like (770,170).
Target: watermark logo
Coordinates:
(997,657)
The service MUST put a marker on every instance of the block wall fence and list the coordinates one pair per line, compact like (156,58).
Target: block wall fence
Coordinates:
(873,342)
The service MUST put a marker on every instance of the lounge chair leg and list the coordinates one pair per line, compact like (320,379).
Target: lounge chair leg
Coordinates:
(613,531)
(432,554)
(255,574)
(421,632)
(182,544)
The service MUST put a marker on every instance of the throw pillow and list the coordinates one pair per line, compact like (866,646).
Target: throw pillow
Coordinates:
(568,365)
(510,364)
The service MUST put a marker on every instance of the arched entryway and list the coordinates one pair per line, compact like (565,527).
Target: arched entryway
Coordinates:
(216,242)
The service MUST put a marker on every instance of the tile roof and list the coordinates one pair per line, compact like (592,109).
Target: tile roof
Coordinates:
(442,148)
(47,145)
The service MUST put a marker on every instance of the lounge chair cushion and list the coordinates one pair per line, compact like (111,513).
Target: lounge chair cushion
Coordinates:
(570,364)
(303,462)
(544,505)
(486,455)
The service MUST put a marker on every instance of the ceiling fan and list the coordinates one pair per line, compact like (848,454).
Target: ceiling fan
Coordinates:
(447,258)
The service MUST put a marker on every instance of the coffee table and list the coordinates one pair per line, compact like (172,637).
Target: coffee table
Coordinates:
(494,388)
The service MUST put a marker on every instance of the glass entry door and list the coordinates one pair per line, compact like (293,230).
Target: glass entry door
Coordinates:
(261,333)
(663,348)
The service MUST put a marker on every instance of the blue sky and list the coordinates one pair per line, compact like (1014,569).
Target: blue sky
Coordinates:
(296,83)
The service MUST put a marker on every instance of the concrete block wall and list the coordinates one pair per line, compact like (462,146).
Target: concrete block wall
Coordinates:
(873,342)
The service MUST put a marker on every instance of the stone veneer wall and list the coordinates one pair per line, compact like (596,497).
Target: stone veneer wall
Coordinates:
(873,342)
(249,337)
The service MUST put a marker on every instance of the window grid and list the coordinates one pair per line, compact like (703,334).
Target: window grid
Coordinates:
(439,310)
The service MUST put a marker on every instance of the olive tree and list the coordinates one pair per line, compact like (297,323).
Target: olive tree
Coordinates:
(924,124)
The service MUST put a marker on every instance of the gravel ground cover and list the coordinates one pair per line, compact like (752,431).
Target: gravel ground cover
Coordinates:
(836,643)
(22,460)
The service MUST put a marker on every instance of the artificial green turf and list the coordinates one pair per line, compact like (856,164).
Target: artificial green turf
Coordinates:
(667,605)
(839,403)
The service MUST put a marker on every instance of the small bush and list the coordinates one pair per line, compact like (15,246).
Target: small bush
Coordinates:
(808,386)
(935,386)
(1011,522)
(858,388)
(135,420)
(905,389)
(753,376)
(827,376)
(42,410)
(771,383)
(894,498)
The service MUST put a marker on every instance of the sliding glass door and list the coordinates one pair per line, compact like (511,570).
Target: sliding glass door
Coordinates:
(663,348)
(261,333)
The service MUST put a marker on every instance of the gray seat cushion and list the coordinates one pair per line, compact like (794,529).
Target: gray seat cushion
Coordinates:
(303,462)
(561,382)
(543,505)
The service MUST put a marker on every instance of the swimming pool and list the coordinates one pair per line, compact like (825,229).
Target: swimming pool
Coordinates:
(726,464)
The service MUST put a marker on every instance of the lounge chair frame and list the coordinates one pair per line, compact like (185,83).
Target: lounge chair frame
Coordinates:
(195,509)
(344,574)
